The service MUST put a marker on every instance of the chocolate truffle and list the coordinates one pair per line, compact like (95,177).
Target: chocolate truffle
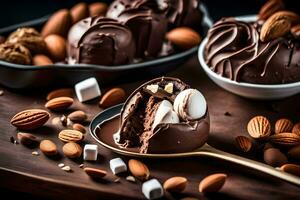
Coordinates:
(150,121)
(235,51)
(101,41)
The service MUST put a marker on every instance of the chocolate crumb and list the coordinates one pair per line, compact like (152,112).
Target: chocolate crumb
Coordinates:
(117,180)
(130,179)
(64,120)
(227,113)
(35,153)
(81,165)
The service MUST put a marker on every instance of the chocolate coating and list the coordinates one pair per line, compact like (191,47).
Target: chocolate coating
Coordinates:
(234,51)
(102,41)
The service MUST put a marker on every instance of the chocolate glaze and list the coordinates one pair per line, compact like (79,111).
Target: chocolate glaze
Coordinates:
(102,41)
(234,51)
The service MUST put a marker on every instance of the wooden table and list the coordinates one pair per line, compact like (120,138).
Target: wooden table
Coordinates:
(40,175)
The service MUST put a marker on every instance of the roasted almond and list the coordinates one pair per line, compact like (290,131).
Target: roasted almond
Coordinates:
(175,184)
(295,30)
(296,128)
(27,139)
(48,147)
(138,169)
(72,150)
(97,9)
(63,92)
(59,23)
(212,183)
(294,152)
(269,8)
(79,12)
(274,157)
(56,46)
(283,126)
(41,60)
(291,168)
(285,139)
(95,173)
(30,119)
(79,127)
(77,116)
(243,143)
(184,37)
(112,97)
(70,136)
(259,127)
(59,103)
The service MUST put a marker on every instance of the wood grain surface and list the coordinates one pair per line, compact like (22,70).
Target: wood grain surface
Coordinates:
(40,176)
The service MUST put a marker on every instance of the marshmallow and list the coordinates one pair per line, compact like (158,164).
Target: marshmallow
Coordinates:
(90,152)
(87,89)
(152,189)
(190,104)
(170,118)
(117,165)
(162,111)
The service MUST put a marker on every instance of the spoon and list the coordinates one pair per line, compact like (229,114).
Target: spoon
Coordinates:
(205,150)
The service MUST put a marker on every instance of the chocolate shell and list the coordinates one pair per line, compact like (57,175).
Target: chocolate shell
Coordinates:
(235,51)
(138,114)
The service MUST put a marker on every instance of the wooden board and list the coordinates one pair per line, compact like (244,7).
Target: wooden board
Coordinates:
(40,175)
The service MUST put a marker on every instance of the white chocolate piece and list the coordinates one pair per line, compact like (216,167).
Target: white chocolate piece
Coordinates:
(163,109)
(117,165)
(87,89)
(190,104)
(152,189)
(90,152)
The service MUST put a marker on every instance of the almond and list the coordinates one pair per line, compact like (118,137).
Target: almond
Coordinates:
(291,168)
(77,116)
(79,127)
(274,157)
(48,147)
(285,139)
(56,46)
(97,9)
(27,139)
(283,126)
(184,37)
(72,150)
(269,8)
(41,60)
(175,184)
(59,103)
(70,136)
(212,183)
(95,173)
(30,119)
(138,169)
(296,128)
(295,30)
(63,92)
(259,127)
(79,12)
(294,152)
(112,97)
(59,23)
(243,143)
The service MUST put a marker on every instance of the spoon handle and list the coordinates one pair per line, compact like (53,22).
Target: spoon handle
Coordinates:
(212,152)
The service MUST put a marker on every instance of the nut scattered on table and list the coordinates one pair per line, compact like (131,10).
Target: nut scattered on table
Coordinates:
(70,136)
(283,126)
(63,92)
(259,127)
(175,184)
(72,150)
(59,103)
(112,97)
(212,183)
(95,173)
(138,169)
(243,143)
(79,127)
(77,116)
(48,147)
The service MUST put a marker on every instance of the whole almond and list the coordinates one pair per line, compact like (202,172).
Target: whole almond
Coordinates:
(285,139)
(30,119)
(274,157)
(97,9)
(63,92)
(79,127)
(70,136)
(283,126)
(112,97)
(41,60)
(59,23)
(259,127)
(212,183)
(59,103)
(295,30)
(56,46)
(79,12)
(27,139)
(77,116)
(243,143)
(48,147)
(269,8)
(294,152)
(175,184)
(184,37)
(72,150)
(296,128)
(95,173)
(138,169)
(291,168)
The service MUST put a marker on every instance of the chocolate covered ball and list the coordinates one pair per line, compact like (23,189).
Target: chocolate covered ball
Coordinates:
(102,41)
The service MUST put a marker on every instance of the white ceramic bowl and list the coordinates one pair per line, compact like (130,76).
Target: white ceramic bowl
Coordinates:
(249,90)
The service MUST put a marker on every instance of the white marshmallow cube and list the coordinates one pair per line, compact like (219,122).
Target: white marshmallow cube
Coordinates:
(165,114)
(90,152)
(152,189)
(117,165)
(87,89)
